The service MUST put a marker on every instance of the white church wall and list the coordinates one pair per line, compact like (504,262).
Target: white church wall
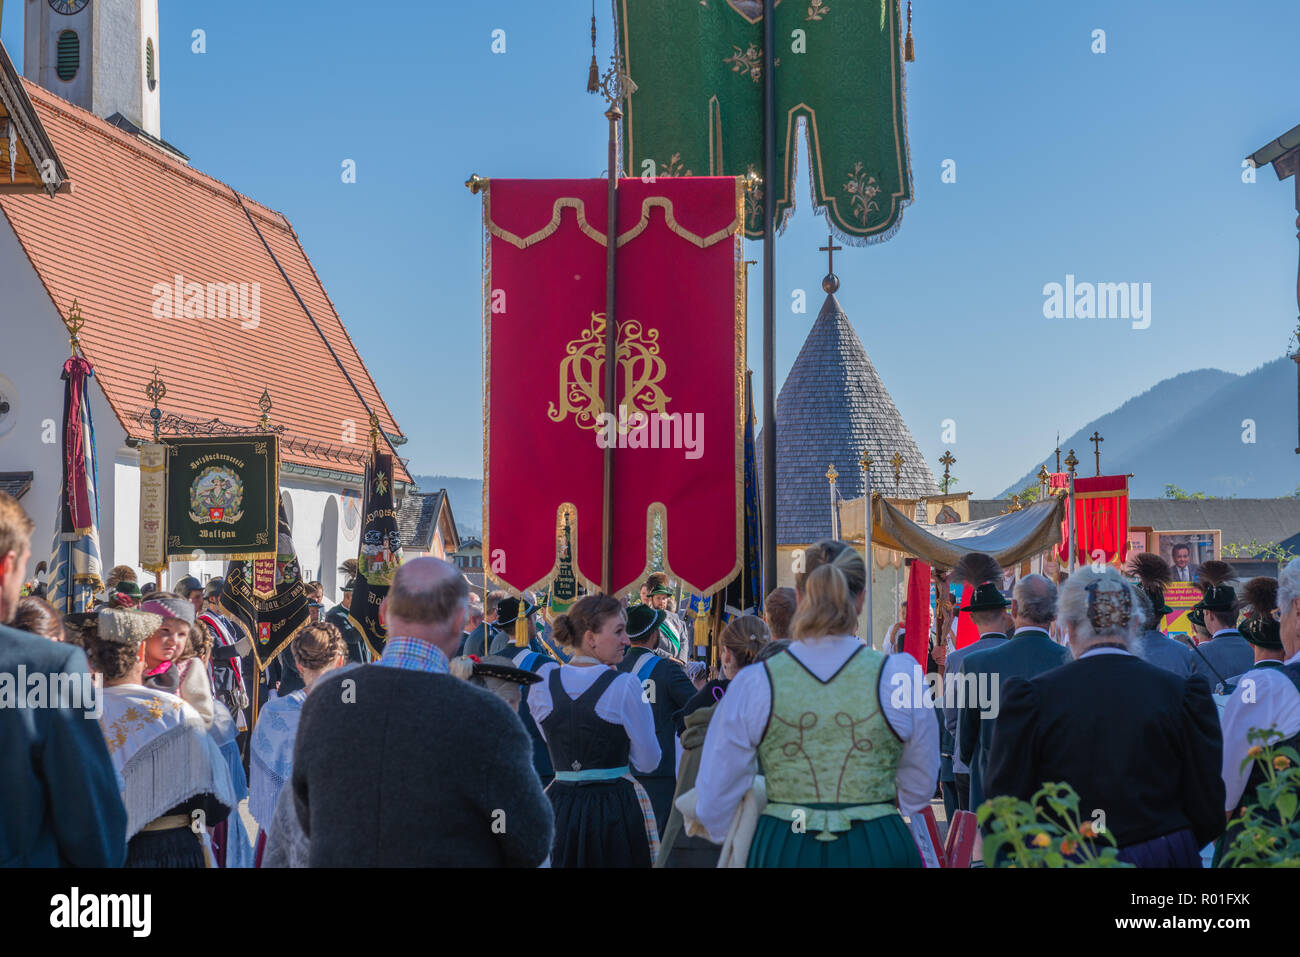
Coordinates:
(31,432)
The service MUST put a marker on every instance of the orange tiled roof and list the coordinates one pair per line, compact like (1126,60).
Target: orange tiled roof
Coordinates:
(137,217)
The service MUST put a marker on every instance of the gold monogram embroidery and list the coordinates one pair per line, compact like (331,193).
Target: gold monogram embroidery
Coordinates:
(583,368)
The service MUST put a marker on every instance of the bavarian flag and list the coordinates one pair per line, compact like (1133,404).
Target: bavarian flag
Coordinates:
(381,553)
(698,105)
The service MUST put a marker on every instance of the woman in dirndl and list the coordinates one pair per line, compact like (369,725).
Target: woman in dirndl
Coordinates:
(597,728)
(842,752)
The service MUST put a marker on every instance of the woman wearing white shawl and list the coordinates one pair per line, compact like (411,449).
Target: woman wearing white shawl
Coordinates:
(175,783)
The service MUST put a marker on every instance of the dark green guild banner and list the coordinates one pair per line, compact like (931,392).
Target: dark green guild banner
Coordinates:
(222,494)
(698,106)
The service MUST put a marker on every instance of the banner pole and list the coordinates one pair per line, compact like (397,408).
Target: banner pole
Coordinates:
(1070,463)
(769,295)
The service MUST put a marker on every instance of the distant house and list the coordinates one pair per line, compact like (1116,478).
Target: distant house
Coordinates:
(426,525)
(469,559)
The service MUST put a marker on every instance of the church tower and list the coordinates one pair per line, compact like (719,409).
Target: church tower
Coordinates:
(99,54)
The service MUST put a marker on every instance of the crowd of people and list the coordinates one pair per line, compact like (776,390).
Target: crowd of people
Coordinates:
(492,732)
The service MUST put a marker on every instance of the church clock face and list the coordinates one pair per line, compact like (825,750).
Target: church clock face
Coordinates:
(68,7)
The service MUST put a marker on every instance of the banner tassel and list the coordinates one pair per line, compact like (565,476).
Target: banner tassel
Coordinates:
(909,49)
(593,71)
(701,630)
(521,626)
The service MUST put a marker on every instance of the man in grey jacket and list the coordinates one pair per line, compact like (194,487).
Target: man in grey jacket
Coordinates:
(399,764)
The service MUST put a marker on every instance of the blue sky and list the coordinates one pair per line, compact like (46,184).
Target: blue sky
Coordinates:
(1115,167)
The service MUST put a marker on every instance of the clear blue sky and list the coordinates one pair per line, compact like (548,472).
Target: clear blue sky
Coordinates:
(1116,167)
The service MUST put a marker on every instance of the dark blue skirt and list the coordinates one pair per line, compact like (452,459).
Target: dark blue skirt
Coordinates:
(598,824)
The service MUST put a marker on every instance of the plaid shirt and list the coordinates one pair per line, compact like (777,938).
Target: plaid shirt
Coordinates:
(413,655)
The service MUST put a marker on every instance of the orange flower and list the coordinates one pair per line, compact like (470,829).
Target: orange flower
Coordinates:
(1281,762)
(1255,752)
(1041,839)
(1068,847)
(1085,829)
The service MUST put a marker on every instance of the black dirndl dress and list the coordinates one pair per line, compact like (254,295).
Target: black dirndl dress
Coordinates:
(598,819)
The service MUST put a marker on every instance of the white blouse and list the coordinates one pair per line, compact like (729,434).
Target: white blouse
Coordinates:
(623,702)
(729,761)
(1270,701)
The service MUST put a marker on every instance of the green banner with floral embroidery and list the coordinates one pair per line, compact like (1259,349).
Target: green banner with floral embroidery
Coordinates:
(698,105)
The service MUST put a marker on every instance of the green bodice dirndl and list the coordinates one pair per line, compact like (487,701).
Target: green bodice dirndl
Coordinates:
(830,760)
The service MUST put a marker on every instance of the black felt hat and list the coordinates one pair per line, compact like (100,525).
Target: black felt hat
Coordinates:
(1219,598)
(494,669)
(1197,615)
(642,620)
(508,611)
(987,597)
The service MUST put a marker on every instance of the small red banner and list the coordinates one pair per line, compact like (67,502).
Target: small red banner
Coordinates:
(1100,518)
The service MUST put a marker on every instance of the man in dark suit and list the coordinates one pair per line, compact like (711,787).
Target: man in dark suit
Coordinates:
(1227,653)
(399,764)
(59,802)
(1031,651)
(665,685)
(987,610)
(1183,570)
(1140,745)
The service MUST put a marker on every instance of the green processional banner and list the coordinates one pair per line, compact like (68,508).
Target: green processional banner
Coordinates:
(222,494)
(698,106)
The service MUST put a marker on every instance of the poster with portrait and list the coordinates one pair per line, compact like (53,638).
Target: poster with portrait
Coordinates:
(1186,550)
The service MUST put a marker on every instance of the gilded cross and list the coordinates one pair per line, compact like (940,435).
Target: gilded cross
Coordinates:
(1096,441)
(831,474)
(1071,461)
(897,463)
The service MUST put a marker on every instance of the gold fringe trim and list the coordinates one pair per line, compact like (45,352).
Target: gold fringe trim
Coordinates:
(580,209)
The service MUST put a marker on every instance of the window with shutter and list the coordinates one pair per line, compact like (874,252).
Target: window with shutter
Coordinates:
(69,61)
(150,64)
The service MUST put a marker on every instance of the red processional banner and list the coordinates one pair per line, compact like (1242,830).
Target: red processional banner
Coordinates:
(1100,518)
(677,430)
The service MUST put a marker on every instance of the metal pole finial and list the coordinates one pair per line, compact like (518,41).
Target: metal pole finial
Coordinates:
(74,323)
(264,406)
(156,390)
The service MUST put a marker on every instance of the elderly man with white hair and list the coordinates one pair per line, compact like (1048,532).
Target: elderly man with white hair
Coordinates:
(1264,699)
(1140,745)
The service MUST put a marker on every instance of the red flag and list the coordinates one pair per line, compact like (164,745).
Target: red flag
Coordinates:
(916,637)
(677,433)
(967,633)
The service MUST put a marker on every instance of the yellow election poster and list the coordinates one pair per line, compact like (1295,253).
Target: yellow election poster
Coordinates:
(1180,596)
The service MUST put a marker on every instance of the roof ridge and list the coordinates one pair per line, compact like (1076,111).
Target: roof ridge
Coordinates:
(338,316)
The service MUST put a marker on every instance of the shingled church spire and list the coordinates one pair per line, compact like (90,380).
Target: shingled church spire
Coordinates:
(832,406)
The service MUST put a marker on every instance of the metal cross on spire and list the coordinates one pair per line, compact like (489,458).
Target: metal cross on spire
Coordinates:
(947,460)
(1096,441)
(832,281)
